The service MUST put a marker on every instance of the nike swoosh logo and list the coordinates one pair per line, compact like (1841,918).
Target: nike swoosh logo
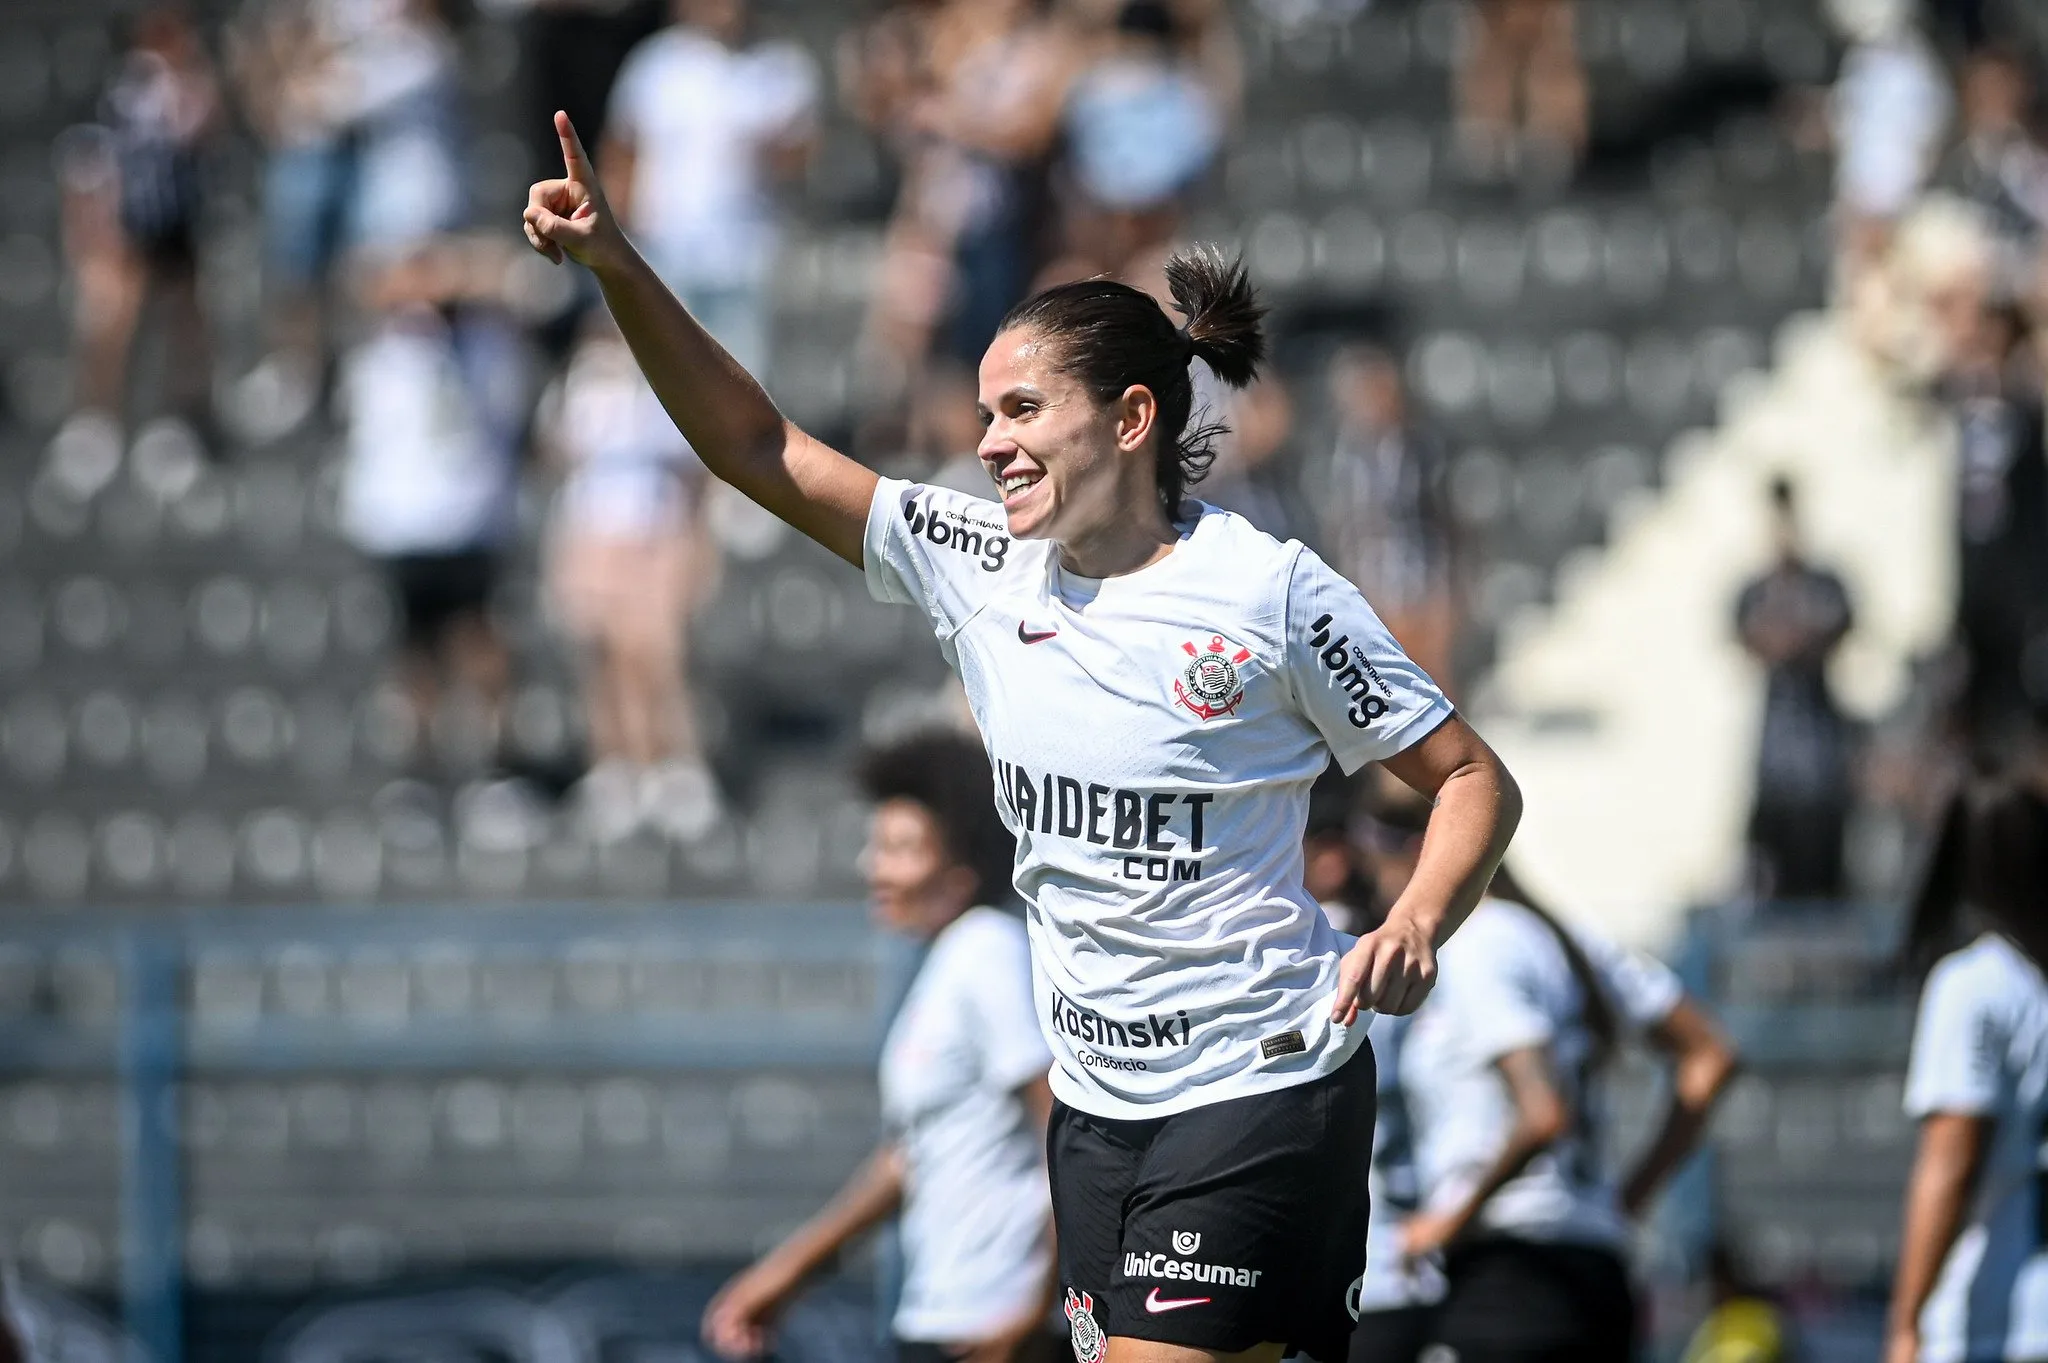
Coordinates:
(1155,1305)
(1030,636)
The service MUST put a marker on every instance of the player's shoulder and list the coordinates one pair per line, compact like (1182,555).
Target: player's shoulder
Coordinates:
(1219,532)
(1241,564)
(982,939)
(1990,967)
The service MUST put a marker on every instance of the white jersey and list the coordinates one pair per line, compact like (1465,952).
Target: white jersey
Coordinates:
(1154,738)
(975,1203)
(1504,984)
(1981,1048)
(1391,1279)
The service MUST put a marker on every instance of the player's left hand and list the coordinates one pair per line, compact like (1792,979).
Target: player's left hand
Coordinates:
(1391,970)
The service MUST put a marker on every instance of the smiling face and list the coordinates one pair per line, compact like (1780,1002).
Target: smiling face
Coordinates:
(1067,465)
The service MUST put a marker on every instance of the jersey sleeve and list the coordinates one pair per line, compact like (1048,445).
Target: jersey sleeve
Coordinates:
(1643,989)
(939,550)
(1956,1044)
(1352,681)
(998,998)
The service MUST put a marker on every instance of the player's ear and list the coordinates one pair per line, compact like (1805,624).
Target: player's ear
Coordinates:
(1137,413)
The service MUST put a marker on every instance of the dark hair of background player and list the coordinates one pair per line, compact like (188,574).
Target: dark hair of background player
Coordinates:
(1988,867)
(947,774)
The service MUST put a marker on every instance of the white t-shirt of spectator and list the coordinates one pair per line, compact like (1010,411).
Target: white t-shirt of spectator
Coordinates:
(700,116)
(1505,984)
(976,1205)
(1392,1280)
(1891,105)
(1154,737)
(1980,1048)
(1141,132)
(424,475)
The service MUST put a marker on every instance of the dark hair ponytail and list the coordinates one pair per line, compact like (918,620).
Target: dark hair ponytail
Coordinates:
(1113,337)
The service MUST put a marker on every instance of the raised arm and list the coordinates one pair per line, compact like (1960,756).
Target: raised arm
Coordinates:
(721,410)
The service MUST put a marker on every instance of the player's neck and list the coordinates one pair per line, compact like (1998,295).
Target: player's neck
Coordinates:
(1122,545)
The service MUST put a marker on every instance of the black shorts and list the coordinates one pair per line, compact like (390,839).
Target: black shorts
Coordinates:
(1520,1301)
(436,589)
(1231,1225)
(1396,1335)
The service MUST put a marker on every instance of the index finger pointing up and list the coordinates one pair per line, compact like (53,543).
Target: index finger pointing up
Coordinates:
(574,159)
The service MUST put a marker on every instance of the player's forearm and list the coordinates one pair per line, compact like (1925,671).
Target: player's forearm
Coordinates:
(1942,1172)
(1697,1082)
(1477,809)
(723,412)
(872,1194)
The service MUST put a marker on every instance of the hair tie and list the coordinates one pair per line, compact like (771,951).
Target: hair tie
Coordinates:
(1187,339)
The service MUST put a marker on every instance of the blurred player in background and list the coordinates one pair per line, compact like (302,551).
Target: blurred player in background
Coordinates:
(964,1089)
(1973,1272)
(1500,1071)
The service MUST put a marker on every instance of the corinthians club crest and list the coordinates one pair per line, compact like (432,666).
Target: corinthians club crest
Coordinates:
(1089,1344)
(1211,684)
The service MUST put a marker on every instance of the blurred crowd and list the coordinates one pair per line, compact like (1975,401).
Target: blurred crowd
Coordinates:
(1025,141)
(1941,229)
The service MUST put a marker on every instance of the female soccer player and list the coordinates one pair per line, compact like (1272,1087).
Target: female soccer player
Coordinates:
(1499,1072)
(1973,1270)
(1157,684)
(963,1089)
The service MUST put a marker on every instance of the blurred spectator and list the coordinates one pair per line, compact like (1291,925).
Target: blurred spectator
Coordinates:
(1247,478)
(131,223)
(356,103)
(2002,525)
(1891,106)
(1142,126)
(1522,99)
(702,122)
(1998,164)
(570,52)
(1385,522)
(1791,620)
(628,561)
(973,115)
(430,397)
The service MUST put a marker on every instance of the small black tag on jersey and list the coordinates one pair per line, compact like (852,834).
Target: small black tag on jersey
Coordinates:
(1286,1043)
